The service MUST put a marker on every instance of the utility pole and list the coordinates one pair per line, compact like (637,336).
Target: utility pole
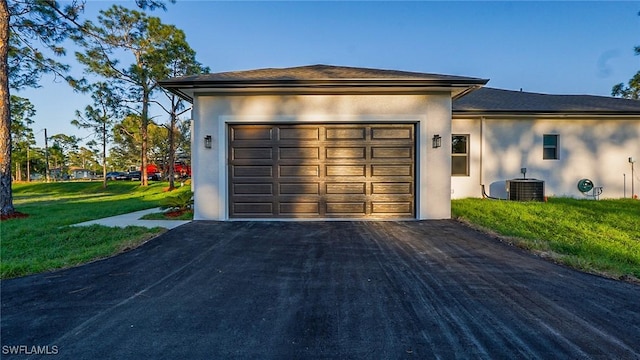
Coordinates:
(28,165)
(46,154)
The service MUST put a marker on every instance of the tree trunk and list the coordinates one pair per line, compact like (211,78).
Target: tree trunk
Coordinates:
(172,154)
(144,122)
(104,155)
(46,155)
(172,145)
(28,165)
(6,195)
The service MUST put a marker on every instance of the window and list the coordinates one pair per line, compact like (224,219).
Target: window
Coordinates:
(550,147)
(460,155)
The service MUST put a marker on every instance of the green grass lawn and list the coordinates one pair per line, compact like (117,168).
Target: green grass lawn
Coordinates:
(44,241)
(601,237)
(596,236)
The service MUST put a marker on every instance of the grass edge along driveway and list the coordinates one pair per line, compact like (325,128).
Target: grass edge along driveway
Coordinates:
(44,241)
(600,237)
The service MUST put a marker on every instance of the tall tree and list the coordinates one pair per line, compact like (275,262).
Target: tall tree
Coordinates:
(151,45)
(31,32)
(29,29)
(6,196)
(85,157)
(22,137)
(62,148)
(100,117)
(128,141)
(183,64)
(632,89)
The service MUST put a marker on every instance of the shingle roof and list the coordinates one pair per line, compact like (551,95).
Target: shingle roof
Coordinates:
(320,72)
(490,100)
(477,100)
(320,79)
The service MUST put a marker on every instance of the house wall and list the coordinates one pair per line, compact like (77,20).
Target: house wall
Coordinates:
(597,149)
(431,113)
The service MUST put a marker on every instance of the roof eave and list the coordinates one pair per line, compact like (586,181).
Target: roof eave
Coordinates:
(187,89)
(181,94)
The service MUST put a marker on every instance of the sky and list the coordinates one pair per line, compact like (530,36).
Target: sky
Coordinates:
(545,46)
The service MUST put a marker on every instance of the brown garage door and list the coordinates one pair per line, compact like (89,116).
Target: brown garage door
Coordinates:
(322,171)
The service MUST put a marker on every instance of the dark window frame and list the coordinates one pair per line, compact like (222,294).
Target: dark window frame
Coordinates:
(547,148)
(465,155)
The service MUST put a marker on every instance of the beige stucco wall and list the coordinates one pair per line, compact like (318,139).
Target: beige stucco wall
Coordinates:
(597,149)
(431,113)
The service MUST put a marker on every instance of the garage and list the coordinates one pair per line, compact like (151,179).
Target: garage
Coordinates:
(321,170)
(321,142)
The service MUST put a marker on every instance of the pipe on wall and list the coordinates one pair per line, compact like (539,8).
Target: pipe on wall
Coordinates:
(481,155)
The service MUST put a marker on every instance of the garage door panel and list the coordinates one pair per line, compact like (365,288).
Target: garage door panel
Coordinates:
(252,189)
(299,188)
(346,170)
(299,134)
(252,171)
(252,153)
(391,170)
(344,208)
(293,208)
(392,188)
(299,170)
(358,188)
(345,133)
(400,208)
(322,171)
(252,208)
(391,152)
(252,133)
(391,133)
(346,153)
(300,153)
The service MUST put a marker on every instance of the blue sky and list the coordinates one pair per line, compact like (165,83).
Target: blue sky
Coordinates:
(550,47)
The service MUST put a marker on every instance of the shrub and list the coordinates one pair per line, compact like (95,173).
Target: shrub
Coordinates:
(183,201)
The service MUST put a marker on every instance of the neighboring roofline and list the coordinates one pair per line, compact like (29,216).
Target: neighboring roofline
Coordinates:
(319,86)
(500,102)
(458,114)
(468,90)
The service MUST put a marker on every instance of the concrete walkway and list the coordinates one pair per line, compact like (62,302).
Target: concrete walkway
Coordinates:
(133,219)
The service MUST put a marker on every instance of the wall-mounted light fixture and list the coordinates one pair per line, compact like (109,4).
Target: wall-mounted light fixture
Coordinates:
(436,142)
(207,141)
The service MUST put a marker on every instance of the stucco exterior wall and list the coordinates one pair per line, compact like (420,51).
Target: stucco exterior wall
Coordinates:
(597,149)
(431,113)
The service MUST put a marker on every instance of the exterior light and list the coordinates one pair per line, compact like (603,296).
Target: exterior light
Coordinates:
(207,141)
(436,142)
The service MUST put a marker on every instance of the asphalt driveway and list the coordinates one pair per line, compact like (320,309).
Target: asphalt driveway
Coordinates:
(287,290)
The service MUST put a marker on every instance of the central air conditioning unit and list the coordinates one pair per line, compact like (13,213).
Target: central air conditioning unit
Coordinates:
(525,189)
